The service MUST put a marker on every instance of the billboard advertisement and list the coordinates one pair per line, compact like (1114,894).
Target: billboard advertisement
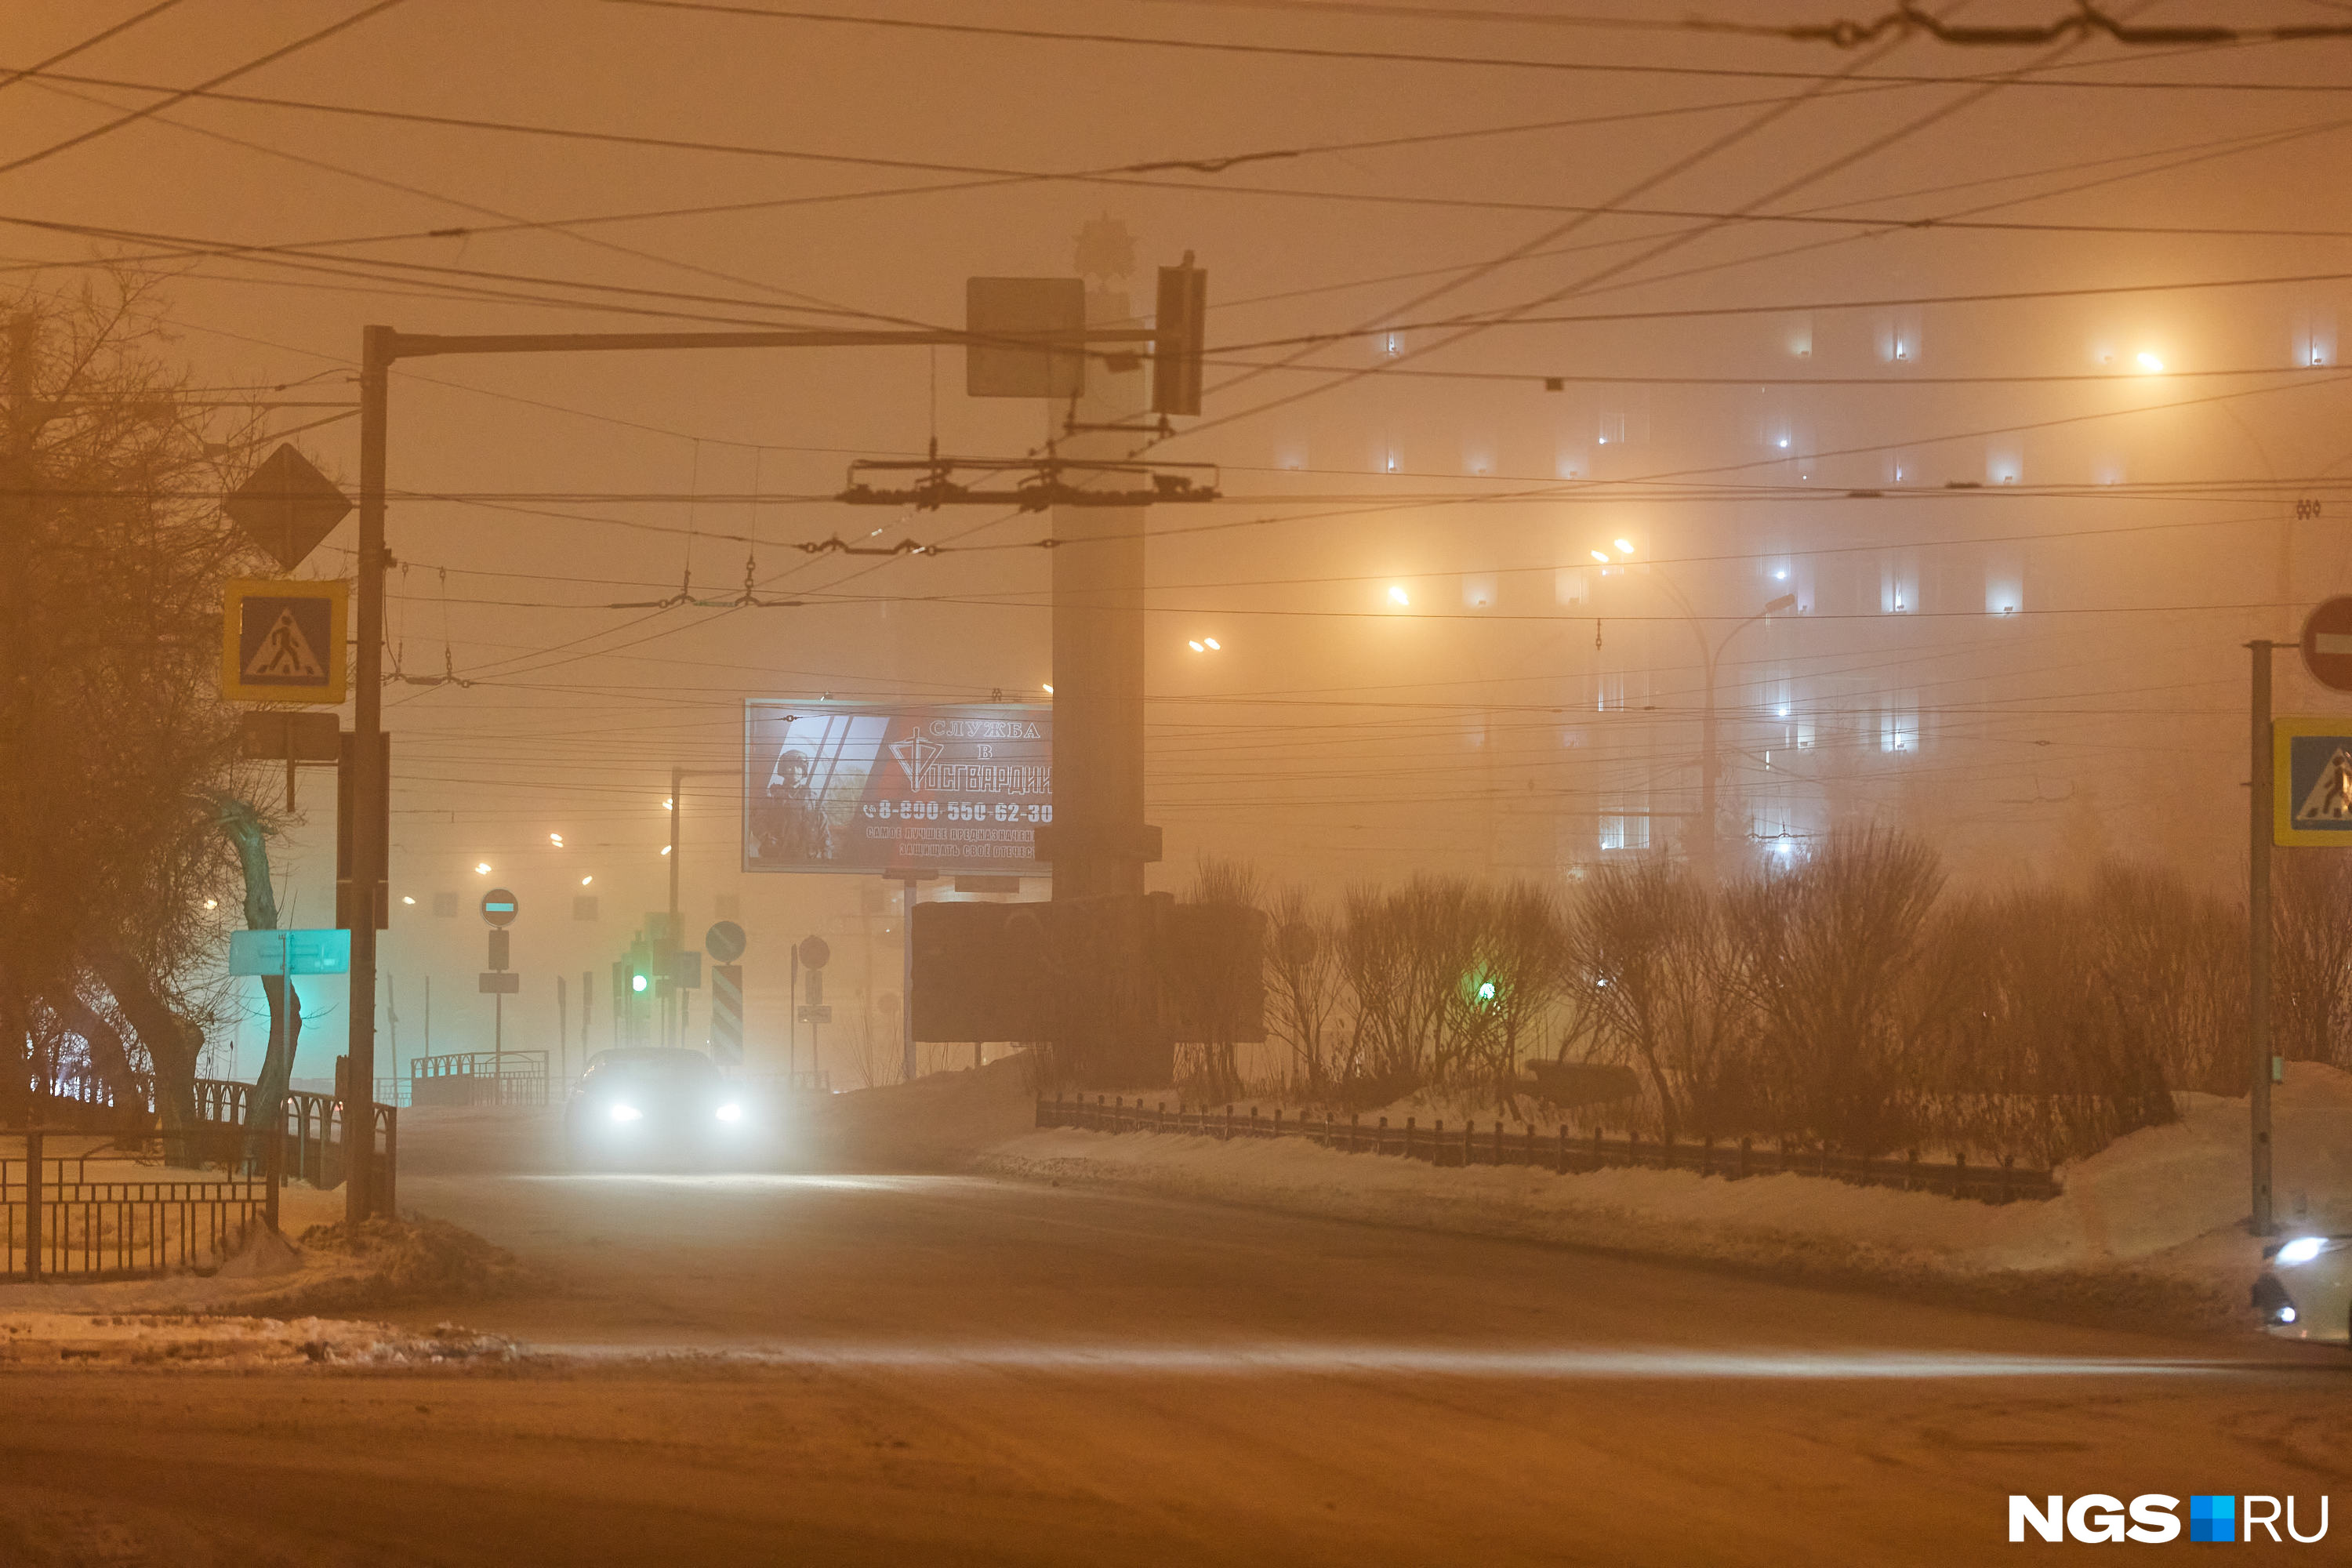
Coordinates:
(832,788)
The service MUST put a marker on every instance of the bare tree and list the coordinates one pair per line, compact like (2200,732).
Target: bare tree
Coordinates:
(112,726)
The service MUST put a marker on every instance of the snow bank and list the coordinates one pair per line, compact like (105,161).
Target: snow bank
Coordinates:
(150,1339)
(2158,1216)
(940,1121)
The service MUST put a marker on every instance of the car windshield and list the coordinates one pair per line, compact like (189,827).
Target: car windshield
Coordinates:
(674,1066)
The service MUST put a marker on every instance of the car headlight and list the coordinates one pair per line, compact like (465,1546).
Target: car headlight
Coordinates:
(2302,1249)
(730,1111)
(621,1112)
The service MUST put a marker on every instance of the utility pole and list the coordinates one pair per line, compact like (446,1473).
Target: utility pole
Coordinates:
(18,690)
(668,957)
(1705,844)
(371,851)
(674,995)
(2258,933)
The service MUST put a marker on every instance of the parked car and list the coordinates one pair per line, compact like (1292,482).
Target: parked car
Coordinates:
(655,1108)
(2307,1292)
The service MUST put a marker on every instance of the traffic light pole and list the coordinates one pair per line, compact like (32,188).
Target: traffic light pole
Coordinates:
(380,347)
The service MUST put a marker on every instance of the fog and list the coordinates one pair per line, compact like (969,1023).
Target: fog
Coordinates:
(2015,368)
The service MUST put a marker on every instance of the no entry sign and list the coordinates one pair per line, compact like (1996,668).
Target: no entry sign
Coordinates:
(2327,644)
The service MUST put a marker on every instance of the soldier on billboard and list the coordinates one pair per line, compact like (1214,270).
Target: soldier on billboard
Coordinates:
(793,824)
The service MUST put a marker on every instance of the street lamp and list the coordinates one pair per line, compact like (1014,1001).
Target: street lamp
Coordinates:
(1708,844)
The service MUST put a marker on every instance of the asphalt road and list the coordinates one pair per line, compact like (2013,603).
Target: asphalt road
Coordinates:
(942,1369)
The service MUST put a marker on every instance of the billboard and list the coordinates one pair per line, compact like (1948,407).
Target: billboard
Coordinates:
(831,787)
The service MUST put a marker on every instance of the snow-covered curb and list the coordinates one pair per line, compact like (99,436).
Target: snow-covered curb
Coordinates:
(2153,1224)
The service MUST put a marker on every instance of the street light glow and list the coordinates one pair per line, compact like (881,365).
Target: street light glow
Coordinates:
(1195,646)
(1397,596)
(482,869)
(664,848)
(2150,363)
(585,880)
(556,839)
(1214,645)
(1049,689)
(1602,556)
(1624,546)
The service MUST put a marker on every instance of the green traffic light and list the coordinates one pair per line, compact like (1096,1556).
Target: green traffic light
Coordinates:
(636,982)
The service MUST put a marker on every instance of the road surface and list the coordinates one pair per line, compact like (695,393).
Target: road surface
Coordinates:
(948,1369)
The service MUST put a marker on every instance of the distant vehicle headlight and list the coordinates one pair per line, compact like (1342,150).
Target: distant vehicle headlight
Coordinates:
(2302,1249)
(621,1112)
(2287,1314)
(730,1111)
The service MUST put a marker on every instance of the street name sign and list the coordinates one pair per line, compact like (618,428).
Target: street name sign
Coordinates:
(287,507)
(2311,774)
(2327,644)
(282,640)
(289,953)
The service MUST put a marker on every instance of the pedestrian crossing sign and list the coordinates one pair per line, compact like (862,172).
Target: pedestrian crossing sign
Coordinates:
(283,641)
(2311,774)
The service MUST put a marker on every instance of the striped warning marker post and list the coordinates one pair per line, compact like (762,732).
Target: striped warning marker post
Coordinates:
(726,1014)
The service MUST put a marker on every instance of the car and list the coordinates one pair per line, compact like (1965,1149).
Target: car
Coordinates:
(2307,1292)
(655,1108)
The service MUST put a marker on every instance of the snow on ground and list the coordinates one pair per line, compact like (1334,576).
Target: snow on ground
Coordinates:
(201,1339)
(2157,1216)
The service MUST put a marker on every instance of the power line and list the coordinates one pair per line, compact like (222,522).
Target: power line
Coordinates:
(1410,57)
(202,89)
(9,78)
(2086,21)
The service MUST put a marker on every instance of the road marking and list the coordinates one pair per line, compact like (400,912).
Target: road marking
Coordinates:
(1261,1358)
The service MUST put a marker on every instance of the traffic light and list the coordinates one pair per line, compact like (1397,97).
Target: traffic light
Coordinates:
(1181,326)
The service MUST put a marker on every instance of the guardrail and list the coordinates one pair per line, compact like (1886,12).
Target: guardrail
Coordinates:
(1563,1154)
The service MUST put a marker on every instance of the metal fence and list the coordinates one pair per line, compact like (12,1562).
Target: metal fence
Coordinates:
(480,1078)
(310,1144)
(1563,1152)
(56,1221)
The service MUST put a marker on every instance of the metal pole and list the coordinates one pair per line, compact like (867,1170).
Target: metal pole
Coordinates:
(2258,934)
(1709,847)
(671,1028)
(793,1018)
(369,850)
(906,988)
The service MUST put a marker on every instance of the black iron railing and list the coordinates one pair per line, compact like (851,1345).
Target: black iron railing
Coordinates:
(1563,1151)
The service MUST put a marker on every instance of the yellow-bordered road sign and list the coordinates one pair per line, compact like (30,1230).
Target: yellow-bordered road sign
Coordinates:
(2311,781)
(283,641)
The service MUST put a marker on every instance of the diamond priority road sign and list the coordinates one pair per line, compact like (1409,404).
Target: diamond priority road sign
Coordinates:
(287,506)
(282,641)
(2310,773)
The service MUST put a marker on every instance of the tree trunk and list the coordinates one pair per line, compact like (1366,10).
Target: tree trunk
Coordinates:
(107,1056)
(172,1045)
(266,1112)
